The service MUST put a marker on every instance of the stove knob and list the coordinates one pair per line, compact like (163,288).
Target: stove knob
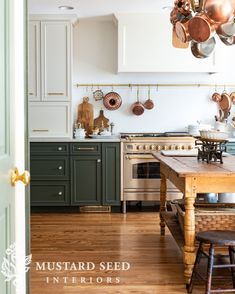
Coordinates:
(140,147)
(177,147)
(158,147)
(153,147)
(172,147)
(165,147)
(183,147)
(146,147)
(190,147)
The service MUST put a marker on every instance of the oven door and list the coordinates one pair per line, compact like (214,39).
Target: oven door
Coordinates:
(141,172)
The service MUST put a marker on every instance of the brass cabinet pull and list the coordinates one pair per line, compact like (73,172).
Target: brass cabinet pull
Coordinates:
(40,130)
(51,94)
(85,148)
(15,177)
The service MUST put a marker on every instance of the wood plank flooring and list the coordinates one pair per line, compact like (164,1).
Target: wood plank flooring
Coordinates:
(155,261)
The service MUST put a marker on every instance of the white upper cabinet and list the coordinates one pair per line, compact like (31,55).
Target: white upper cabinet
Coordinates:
(55,60)
(145,45)
(34,61)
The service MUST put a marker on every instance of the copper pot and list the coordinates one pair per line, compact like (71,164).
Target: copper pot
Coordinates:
(149,104)
(216,97)
(181,29)
(203,50)
(201,28)
(232,97)
(219,11)
(138,107)
(227,29)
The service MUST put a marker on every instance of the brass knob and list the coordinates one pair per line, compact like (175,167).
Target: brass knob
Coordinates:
(15,177)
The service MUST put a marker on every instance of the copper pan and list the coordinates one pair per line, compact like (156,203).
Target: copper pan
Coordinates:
(201,28)
(181,29)
(219,11)
(203,50)
(138,107)
(227,29)
(216,97)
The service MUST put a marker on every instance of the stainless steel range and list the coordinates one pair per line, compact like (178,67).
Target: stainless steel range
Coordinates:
(140,179)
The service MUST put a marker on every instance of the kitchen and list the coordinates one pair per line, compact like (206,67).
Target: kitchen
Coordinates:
(90,197)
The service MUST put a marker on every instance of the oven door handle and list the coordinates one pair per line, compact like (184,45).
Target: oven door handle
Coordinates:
(147,156)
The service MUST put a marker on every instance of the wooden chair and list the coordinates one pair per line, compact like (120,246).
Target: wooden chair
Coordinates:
(214,238)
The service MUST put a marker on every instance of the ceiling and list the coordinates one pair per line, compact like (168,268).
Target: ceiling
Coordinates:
(91,8)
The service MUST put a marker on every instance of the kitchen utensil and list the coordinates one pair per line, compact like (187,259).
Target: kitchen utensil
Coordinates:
(182,32)
(221,115)
(227,29)
(98,95)
(219,11)
(101,122)
(216,97)
(85,115)
(176,41)
(112,101)
(225,102)
(137,107)
(200,28)
(149,104)
(232,97)
(203,50)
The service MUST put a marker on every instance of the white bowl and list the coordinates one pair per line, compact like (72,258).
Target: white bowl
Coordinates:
(214,134)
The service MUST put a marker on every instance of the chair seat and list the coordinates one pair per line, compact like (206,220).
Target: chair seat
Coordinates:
(217,237)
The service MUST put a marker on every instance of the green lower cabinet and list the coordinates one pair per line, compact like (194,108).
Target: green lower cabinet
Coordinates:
(86,180)
(110,174)
(50,193)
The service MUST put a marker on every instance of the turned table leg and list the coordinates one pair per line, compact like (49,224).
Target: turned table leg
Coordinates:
(189,234)
(162,202)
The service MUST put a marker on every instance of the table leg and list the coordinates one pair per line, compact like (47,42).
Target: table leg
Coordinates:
(189,234)
(162,202)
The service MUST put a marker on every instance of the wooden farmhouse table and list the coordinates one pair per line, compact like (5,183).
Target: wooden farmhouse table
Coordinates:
(191,176)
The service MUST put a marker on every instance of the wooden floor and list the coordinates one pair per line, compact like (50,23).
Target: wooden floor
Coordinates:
(155,261)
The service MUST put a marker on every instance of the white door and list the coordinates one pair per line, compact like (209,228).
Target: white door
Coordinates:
(12,198)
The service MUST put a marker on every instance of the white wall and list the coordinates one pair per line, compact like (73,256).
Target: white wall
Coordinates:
(95,61)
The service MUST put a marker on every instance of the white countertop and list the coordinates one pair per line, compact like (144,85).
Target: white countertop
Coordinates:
(41,140)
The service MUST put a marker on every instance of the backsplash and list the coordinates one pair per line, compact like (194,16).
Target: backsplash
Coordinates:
(95,61)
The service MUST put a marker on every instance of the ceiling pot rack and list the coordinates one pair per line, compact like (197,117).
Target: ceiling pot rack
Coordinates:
(155,85)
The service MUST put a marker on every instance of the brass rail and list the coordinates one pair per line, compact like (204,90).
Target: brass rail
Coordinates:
(156,85)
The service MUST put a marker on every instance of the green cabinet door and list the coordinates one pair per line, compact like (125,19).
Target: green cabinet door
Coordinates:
(111,173)
(86,180)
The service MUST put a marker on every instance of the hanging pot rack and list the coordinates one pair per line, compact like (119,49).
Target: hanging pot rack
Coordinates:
(155,85)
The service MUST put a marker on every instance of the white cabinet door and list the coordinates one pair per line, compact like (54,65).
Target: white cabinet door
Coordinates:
(49,119)
(34,61)
(145,45)
(56,60)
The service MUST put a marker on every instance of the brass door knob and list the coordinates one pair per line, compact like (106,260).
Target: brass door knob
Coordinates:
(15,177)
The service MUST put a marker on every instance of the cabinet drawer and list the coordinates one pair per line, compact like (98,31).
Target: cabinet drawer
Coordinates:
(49,148)
(49,168)
(86,148)
(49,193)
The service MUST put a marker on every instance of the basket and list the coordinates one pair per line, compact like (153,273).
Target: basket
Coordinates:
(208,216)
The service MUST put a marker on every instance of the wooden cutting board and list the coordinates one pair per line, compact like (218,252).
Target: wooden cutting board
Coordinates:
(101,121)
(85,115)
(176,41)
